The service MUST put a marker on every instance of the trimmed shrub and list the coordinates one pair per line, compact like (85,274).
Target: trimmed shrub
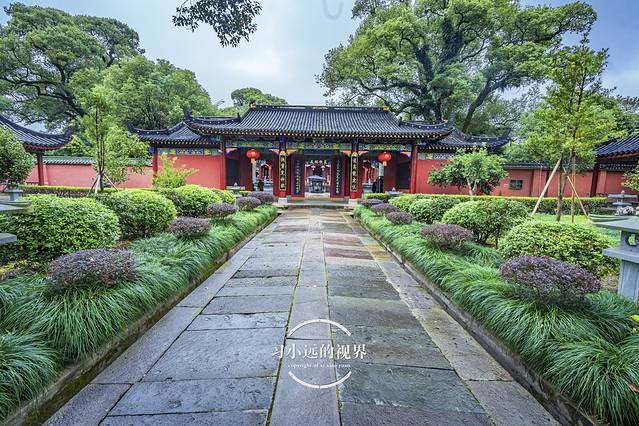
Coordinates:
(377,196)
(403,202)
(400,218)
(190,227)
(56,226)
(264,197)
(88,268)
(383,209)
(370,202)
(191,200)
(141,213)
(248,203)
(220,211)
(549,280)
(431,210)
(447,237)
(487,219)
(577,244)
(226,196)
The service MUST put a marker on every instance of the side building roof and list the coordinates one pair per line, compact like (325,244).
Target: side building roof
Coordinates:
(319,122)
(619,147)
(178,135)
(36,141)
(460,140)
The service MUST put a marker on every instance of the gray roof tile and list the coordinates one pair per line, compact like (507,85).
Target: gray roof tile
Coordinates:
(36,141)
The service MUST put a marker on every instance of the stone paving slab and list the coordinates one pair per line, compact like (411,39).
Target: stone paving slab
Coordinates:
(393,385)
(193,396)
(236,418)
(219,354)
(267,273)
(248,304)
(256,291)
(350,311)
(395,346)
(134,363)
(262,282)
(354,414)
(232,321)
(89,406)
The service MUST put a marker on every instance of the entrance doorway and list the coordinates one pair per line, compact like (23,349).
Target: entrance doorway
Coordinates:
(317,177)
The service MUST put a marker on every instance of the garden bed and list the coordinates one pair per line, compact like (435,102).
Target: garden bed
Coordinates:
(78,333)
(588,354)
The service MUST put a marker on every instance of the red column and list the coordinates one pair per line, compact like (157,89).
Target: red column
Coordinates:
(413,170)
(40,168)
(223,165)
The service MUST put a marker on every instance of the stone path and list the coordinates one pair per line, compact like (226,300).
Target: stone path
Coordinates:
(215,358)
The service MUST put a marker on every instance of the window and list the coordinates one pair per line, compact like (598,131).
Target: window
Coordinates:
(516,184)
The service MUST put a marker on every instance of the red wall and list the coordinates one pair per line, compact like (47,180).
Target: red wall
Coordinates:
(208,174)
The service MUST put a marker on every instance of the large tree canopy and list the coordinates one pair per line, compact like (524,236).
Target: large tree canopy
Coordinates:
(42,49)
(433,58)
(243,98)
(147,94)
(232,20)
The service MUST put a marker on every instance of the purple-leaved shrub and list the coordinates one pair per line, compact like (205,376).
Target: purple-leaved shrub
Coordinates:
(248,203)
(446,236)
(383,209)
(370,202)
(189,227)
(220,211)
(549,280)
(96,267)
(264,197)
(400,218)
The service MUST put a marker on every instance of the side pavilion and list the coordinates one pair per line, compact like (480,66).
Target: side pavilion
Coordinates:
(347,146)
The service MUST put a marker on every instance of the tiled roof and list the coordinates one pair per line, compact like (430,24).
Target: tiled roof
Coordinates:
(459,140)
(319,121)
(628,145)
(36,141)
(179,134)
(81,161)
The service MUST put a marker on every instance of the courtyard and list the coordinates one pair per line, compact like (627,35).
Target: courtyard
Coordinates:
(213,359)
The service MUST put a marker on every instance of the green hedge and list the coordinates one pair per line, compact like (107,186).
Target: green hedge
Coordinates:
(55,226)
(61,191)
(72,324)
(595,205)
(191,200)
(378,196)
(589,353)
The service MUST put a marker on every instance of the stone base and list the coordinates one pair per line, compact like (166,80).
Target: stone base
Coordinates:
(352,202)
(282,201)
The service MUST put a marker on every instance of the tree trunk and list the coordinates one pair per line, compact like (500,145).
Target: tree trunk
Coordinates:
(574,186)
(561,186)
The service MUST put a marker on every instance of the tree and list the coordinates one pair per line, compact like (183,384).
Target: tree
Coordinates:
(170,176)
(147,94)
(477,170)
(572,119)
(232,20)
(243,98)
(15,162)
(42,49)
(116,153)
(632,179)
(432,58)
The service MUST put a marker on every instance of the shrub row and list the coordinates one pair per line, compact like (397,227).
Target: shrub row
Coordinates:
(43,325)
(593,205)
(589,351)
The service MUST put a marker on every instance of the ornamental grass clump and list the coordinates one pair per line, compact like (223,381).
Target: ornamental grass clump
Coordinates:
(264,197)
(248,203)
(447,237)
(221,211)
(189,227)
(90,268)
(400,218)
(383,209)
(549,280)
(370,202)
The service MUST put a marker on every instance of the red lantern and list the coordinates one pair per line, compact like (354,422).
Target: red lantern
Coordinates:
(253,154)
(384,157)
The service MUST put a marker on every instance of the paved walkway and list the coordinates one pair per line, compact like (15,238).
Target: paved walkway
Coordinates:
(228,353)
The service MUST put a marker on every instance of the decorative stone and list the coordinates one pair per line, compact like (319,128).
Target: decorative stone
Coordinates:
(628,252)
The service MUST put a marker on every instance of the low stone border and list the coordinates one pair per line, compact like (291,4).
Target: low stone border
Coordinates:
(562,408)
(75,377)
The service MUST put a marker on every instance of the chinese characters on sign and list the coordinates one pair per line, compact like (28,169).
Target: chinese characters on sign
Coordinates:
(354,170)
(337,176)
(298,176)
(282,168)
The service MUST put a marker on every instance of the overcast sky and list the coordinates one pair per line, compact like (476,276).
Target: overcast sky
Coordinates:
(287,52)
